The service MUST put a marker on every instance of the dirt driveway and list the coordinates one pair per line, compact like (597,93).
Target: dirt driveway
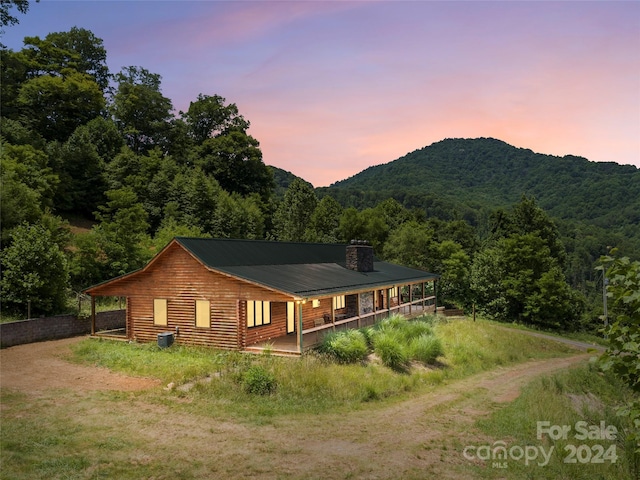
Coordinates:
(36,367)
(408,439)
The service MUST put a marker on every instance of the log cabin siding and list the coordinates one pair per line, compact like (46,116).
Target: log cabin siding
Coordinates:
(178,277)
(277,327)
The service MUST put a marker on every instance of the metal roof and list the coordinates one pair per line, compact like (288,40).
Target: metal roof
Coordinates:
(219,252)
(300,269)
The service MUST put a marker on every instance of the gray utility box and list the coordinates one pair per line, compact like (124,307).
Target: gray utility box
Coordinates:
(165,339)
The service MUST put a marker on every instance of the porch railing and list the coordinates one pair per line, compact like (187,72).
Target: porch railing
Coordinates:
(313,336)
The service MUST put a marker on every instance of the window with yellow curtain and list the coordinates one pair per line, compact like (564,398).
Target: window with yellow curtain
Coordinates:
(258,313)
(203,314)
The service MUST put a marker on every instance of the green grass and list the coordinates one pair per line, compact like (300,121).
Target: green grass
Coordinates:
(314,383)
(177,364)
(578,394)
(66,434)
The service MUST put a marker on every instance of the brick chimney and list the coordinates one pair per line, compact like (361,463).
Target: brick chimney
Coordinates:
(360,256)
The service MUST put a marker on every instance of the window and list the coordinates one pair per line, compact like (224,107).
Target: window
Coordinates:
(393,292)
(315,303)
(203,313)
(339,302)
(258,313)
(160,311)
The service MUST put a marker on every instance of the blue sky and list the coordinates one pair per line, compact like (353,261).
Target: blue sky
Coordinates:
(333,87)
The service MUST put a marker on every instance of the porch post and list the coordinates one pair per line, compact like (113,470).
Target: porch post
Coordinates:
(93,315)
(300,345)
(410,297)
(388,302)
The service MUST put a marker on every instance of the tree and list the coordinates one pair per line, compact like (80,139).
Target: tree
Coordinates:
(193,199)
(409,245)
(28,186)
(622,357)
(325,222)
(13,73)
(488,291)
(293,215)
(238,217)
(55,105)
(122,233)
(34,271)
(7,18)
(78,50)
(518,279)
(453,284)
(235,161)
(80,169)
(141,113)
(209,117)
(525,218)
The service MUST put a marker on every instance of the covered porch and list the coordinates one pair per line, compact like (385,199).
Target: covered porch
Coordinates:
(359,310)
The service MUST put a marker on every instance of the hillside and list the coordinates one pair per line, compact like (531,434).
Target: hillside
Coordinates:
(472,174)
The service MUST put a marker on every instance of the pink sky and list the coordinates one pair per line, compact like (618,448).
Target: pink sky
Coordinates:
(333,87)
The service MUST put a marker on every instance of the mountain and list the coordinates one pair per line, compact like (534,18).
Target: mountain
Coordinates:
(468,175)
(283,179)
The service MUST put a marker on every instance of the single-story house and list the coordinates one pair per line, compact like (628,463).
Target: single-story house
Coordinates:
(255,294)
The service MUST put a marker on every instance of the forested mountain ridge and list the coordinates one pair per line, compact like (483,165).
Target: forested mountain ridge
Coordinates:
(469,173)
(123,161)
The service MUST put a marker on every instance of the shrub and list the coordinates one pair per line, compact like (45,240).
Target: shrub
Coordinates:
(415,329)
(390,348)
(349,346)
(394,322)
(258,381)
(426,348)
(369,333)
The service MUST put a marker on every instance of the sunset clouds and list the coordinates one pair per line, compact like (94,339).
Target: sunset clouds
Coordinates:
(331,88)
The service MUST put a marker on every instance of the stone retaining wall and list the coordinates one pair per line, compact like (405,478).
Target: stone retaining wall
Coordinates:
(60,326)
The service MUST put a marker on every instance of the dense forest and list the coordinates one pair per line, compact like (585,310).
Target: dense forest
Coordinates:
(99,172)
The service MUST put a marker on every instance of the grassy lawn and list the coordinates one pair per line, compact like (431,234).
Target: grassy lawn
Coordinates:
(313,383)
(578,395)
(211,425)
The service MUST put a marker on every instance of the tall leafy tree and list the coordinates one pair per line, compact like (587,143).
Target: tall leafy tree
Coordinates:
(81,171)
(28,186)
(142,114)
(519,279)
(209,117)
(55,105)
(78,50)
(34,271)
(193,200)
(121,237)
(235,160)
(293,215)
(324,223)
(410,245)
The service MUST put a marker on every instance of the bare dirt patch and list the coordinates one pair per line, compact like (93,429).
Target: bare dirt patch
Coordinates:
(37,367)
(421,437)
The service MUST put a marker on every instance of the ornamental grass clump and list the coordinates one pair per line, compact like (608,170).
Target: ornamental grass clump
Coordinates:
(349,346)
(426,348)
(391,349)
